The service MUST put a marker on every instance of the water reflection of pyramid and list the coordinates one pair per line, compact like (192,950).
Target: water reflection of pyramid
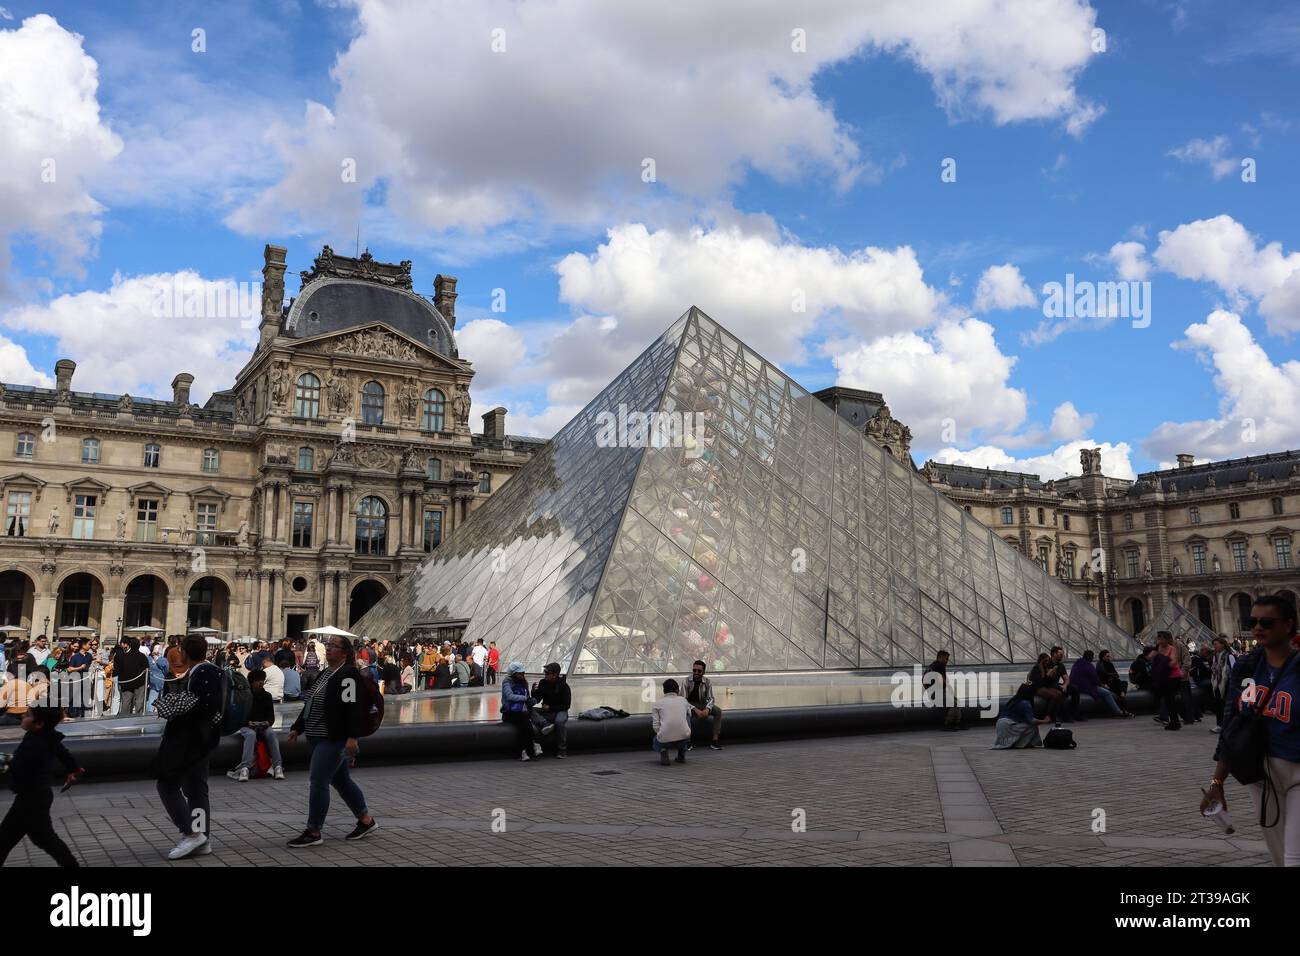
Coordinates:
(786,540)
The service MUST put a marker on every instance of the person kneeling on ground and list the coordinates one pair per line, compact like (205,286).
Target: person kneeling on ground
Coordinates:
(699,694)
(1016,725)
(1083,675)
(260,718)
(670,717)
(552,711)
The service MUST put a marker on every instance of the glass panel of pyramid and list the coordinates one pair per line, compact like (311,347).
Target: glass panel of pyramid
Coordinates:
(751,527)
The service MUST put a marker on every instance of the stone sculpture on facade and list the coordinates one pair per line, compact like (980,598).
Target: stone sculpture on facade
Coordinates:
(121,526)
(340,391)
(460,405)
(279,385)
(124,403)
(408,399)
(54,520)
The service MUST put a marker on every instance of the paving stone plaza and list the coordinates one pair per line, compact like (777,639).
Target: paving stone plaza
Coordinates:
(913,798)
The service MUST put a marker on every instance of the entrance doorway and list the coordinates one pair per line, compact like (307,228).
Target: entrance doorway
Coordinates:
(296,624)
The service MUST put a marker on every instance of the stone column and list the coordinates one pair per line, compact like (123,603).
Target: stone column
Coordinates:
(324,521)
(324,614)
(277,605)
(259,604)
(264,535)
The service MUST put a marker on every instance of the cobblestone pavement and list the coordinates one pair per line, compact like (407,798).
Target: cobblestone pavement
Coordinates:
(918,798)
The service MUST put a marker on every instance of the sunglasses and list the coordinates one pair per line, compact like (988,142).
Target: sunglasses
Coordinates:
(1267,622)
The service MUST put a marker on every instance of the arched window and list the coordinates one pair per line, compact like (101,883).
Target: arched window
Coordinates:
(306,399)
(1006,516)
(372,526)
(485,482)
(26,447)
(90,451)
(435,411)
(372,403)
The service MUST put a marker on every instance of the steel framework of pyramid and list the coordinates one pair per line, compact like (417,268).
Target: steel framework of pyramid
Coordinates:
(783,539)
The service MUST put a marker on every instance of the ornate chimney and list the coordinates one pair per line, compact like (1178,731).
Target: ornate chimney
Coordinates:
(181,388)
(494,423)
(444,297)
(272,291)
(63,370)
(1185,461)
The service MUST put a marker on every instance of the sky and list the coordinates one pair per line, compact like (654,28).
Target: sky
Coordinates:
(1034,225)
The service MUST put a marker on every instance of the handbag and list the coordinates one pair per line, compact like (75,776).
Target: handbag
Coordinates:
(1058,738)
(1243,746)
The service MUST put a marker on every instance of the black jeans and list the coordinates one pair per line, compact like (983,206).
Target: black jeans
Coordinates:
(523,724)
(1169,702)
(183,795)
(29,816)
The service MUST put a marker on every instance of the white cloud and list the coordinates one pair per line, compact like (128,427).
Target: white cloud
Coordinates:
(5,14)
(1130,261)
(1212,153)
(496,349)
(954,373)
(1069,423)
(1258,398)
(109,332)
(1060,462)
(54,141)
(17,369)
(1222,251)
(555,128)
(752,284)
(1003,287)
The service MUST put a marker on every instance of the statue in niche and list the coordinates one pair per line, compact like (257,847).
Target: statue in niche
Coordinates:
(460,405)
(1177,568)
(279,384)
(54,520)
(408,399)
(241,536)
(1214,563)
(1255,561)
(121,526)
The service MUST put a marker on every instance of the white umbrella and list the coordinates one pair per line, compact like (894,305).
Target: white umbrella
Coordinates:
(213,640)
(144,629)
(246,640)
(329,630)
(204,630)
(10,629)
(79,629)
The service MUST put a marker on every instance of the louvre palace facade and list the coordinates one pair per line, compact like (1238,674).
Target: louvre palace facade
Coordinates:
(296,497)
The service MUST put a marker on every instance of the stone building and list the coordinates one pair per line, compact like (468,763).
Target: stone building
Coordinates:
(296,498)
(1211,537)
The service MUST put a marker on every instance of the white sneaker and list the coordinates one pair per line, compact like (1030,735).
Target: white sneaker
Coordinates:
(525,757)
(187,846)
(277,773)
(547,729)
(205,849)
(241,774)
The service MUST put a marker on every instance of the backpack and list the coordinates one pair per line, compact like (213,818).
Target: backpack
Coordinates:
(237,700)
(1058,738)
(371,701)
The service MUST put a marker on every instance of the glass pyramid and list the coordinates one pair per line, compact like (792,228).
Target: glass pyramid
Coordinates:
(773,537)
(1181,623)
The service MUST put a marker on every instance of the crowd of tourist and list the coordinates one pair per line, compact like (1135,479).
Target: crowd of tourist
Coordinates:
(1226,679)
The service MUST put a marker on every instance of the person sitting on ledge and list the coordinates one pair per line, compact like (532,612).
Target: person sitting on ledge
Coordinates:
(552,712)
(699,694)
(261,716)
(462,672)
(1139,672)
(1110,678)
(1017,727)
(1084,677)
(516,703)
(1044,678)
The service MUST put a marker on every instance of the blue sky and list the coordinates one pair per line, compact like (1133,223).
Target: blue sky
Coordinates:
(796,156)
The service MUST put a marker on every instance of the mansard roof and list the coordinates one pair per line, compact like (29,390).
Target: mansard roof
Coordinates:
(1277,466)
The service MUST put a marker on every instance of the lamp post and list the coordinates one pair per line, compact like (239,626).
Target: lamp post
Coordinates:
(45,631)
(119,630)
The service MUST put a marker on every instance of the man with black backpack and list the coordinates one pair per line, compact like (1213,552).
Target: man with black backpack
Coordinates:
(340,707)
(193,716)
